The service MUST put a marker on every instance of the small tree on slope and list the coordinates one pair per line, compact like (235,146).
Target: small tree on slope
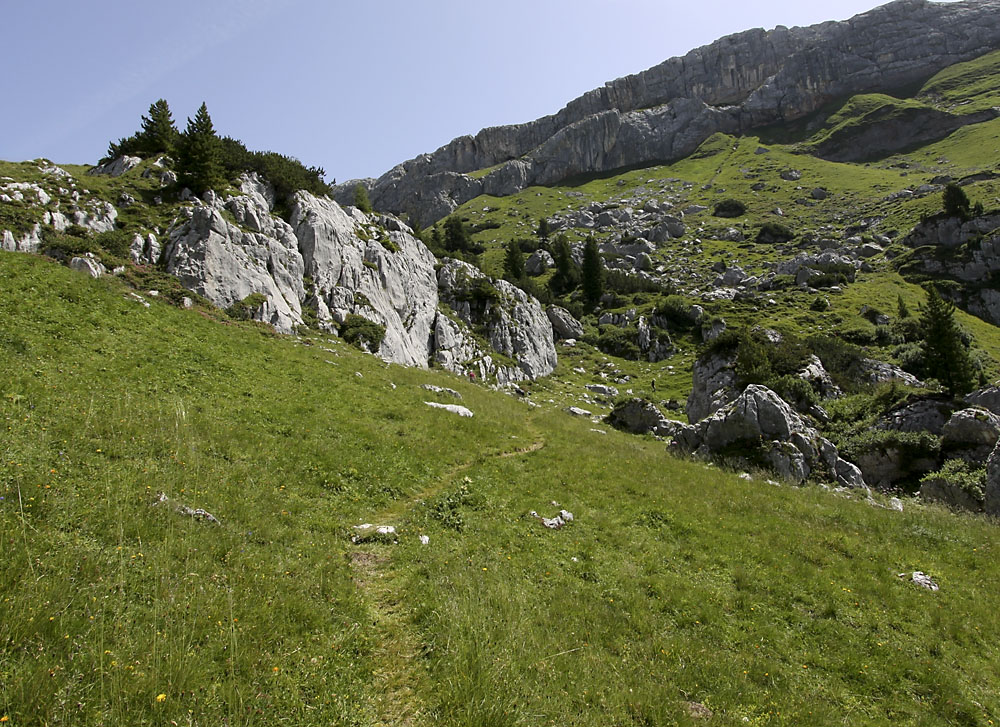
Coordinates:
(200,157)
(945,356)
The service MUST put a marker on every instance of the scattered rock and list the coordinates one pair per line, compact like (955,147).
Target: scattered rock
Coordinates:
(196,513)
(442,390)
(922,579)
(453,408)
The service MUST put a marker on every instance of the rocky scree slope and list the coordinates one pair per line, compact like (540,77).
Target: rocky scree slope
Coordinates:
(739,83)
(336,266)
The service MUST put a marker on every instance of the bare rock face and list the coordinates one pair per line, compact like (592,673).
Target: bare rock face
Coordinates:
(759,423)
(226,264)
(515,324)
(734,85)
(357,266)
(713,385)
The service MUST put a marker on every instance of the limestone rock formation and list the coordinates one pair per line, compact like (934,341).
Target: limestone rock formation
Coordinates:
(226,264)
(713,385)
(357,266)
(736,84)
(514,323)
(759,425)
(639,416)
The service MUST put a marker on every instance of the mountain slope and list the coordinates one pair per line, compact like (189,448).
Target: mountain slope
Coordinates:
(735,85)
(676,588)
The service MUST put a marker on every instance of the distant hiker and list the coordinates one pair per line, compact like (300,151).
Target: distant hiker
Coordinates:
(472,377)
(654,384)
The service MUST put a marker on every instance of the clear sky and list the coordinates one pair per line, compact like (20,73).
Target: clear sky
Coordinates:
(354,87)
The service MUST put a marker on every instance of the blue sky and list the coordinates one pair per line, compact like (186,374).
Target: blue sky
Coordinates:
(354,87)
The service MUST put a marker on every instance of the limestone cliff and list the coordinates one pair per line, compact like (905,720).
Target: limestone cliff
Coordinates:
(736,84)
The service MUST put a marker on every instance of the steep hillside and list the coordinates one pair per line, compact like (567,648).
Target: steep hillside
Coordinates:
(676,590)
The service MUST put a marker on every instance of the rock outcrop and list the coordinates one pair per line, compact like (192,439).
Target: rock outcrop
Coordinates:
(639,416)
(736,84)
(513,322)
(713,384)
(759,427)
(966,251)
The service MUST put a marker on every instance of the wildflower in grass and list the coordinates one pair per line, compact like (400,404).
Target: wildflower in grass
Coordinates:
(161,697)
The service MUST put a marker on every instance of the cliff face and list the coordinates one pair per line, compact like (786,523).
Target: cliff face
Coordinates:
(734,85)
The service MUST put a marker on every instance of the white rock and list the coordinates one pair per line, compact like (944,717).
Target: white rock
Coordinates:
(453,408)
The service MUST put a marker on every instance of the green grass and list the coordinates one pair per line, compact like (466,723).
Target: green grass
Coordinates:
(966,87)
(677,582)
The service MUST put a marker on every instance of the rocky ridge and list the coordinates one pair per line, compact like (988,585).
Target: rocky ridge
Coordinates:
(736,84)
(327,262)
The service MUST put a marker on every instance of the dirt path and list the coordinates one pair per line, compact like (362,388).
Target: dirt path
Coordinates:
(400,678)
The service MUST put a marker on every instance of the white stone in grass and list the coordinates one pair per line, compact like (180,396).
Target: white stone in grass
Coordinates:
(453,408)
(922,579)
(578,412)
(424,540)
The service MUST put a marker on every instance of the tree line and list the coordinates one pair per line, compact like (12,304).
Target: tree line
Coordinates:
(204,160)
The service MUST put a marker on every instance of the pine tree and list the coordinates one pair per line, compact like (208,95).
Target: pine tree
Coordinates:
(456,236)
(592,272)
(158,135)
(361,200)
(565,277)
(513,262)
(945,356)
(543,230)
(200,158)
(956,201)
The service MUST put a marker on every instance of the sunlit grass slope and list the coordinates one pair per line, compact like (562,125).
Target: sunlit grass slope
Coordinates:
(676,584)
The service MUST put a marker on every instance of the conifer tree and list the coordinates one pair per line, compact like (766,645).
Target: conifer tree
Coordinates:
(945,356)
(158,134)
(956,201)
(456,236)
(361,200)
(565,277)
(543,230)
(513,262)
(592,272)
(200,157)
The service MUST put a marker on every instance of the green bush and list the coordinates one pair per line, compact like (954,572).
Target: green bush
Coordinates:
(959,473)
(362,333)
(729,208)
(676,309)
(617,341)
(245,309)
(772,232)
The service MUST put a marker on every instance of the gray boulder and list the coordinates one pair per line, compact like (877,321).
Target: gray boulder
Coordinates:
(88,264)
(763,425)
(538,262)
(988,398)
(713,385)
(639,416)
(116,167)
(926,414)
(564,325)
(817,376)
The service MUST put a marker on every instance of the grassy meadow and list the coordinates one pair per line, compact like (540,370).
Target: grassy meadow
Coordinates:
(678,590)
